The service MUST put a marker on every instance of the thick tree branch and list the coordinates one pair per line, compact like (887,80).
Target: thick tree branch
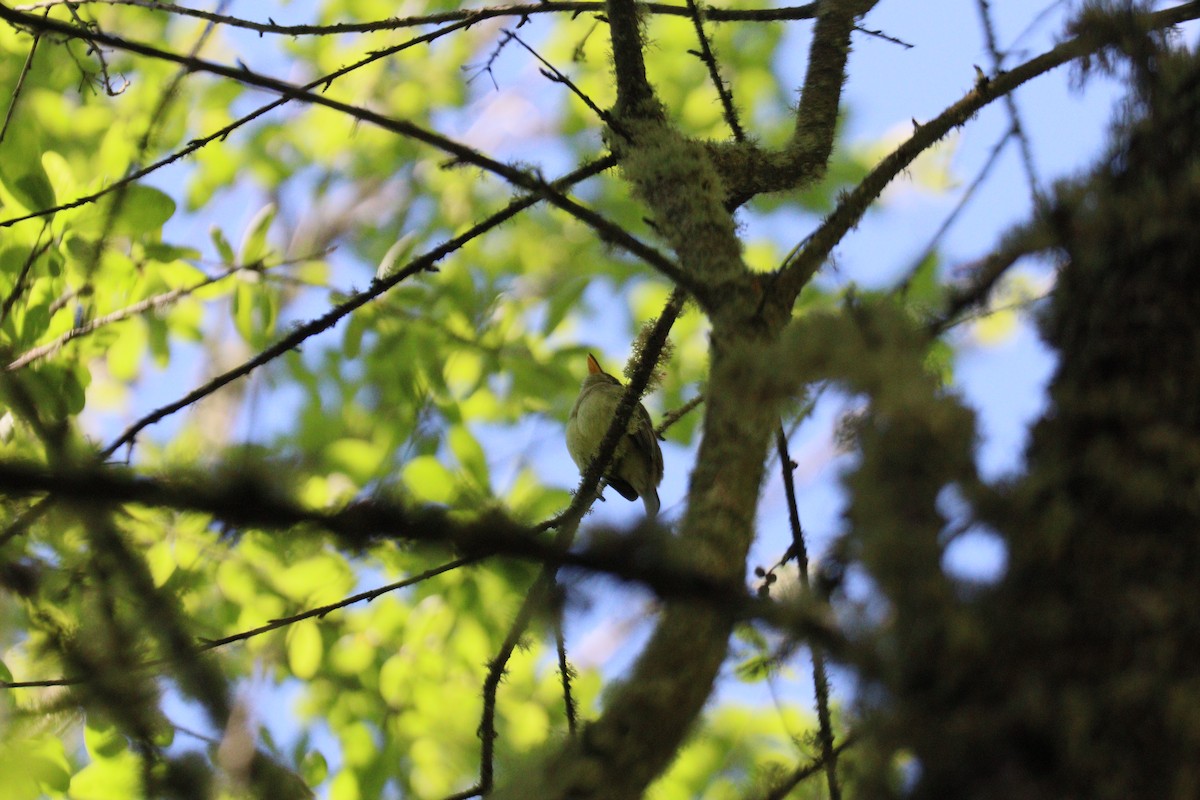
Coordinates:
(820,99)
(748,170)
(250,499)
(635,97)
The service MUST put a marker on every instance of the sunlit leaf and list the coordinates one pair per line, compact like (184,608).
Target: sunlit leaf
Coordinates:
(304,649)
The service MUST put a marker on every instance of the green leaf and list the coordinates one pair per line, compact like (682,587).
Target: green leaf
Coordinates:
(359,459)
(254,310)
(428,480)
(224,249)
(166,253)
(314,768)
(107,778)
(470,455)
(254,241)
(23,179)
(30,767)
(143,210)
(124,355)
(395,257)
(304,649)
(103,740)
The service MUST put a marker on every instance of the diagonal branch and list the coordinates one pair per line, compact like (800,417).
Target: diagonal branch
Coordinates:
(607,230)
(149,304)
(319,612)
(196,144)
(709,58)
(16,92)
(334,315)
(784,788)
(542,591)
(902,287)
(794,274)
(1010,103)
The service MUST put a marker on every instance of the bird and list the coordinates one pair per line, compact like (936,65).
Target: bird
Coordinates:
(637,468)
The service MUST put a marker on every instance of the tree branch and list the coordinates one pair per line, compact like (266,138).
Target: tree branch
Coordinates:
(709,58)
(335,314)
(252,500)
(607,230)
(196,144)
(541,592)
(799,551)
(469,16)
(820,99)
(635,96)
(794,275)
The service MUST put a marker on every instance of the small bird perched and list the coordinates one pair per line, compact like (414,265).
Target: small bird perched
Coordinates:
(637,468)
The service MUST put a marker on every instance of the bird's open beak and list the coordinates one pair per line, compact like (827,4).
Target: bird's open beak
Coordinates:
(593,365)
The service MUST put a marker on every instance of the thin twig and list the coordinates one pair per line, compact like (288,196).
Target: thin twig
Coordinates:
(222,133)
(566,525)
(877,34)
(553,73)
(106,80)
(470,16)
(275,624)
(799,551)
(1010,103)
(303,332)
(1015,245)
(607,230)
(18,288)
(782,789)
(322,611)
(12,103)
(150,303)
(796,271)
(993,158)
(672,417)
(710,61)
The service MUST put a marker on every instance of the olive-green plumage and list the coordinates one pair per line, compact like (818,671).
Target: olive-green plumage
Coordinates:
(637,468)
